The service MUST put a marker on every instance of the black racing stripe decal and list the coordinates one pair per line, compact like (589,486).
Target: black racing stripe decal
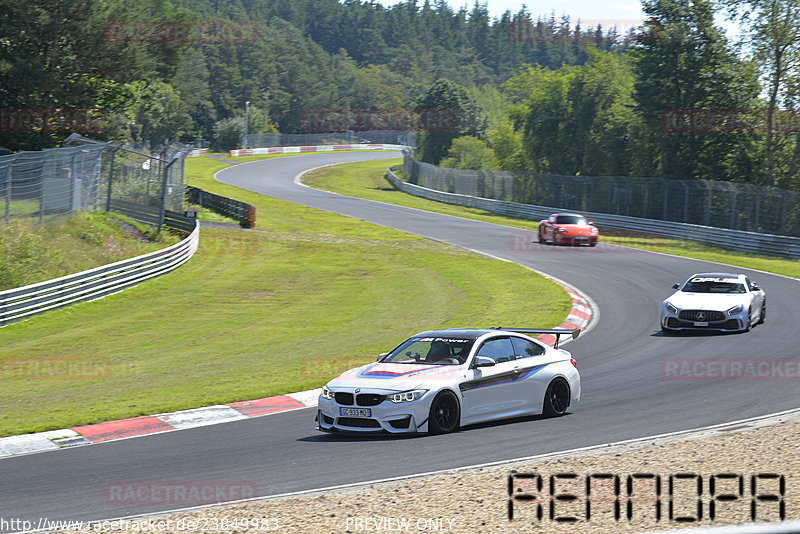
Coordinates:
(496,379)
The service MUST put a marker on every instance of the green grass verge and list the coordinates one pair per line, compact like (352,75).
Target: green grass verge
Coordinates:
(253,314)
(366,180)
(32,252)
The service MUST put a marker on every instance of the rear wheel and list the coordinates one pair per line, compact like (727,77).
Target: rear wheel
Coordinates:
(556,398)
(445,413)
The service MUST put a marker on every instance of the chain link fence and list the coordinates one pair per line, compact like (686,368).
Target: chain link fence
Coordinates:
(389,137)
(730,205)
(91,176)
(50,182)
(150,178)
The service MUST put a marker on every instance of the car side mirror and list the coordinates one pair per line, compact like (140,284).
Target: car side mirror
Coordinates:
(481,361)
(591,223)
(756,287)
(676,286)
(382,355)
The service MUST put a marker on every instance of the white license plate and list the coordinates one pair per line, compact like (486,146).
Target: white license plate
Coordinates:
(701,323)
(355,412)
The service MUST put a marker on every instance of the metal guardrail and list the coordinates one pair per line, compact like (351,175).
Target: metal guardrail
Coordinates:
(242,212)
(776,245)
(22,302)
(153,216)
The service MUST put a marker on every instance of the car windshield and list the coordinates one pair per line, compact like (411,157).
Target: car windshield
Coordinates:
(705,285)
(571,219)
(431,350)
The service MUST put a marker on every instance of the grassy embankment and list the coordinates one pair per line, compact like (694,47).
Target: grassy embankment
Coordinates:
(32,252)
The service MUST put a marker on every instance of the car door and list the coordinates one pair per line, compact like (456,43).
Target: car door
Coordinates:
(495,391)
(530,362)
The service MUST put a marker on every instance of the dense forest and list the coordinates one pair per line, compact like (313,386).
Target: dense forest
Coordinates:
(672,98)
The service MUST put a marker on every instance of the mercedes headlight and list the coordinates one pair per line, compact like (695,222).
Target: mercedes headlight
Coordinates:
(326,393)
(735,310)
(407,396)
(671,308)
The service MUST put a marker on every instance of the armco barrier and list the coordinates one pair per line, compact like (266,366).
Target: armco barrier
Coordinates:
(242,212)
(154,216)
(22,302)
(733,239)
(318,148)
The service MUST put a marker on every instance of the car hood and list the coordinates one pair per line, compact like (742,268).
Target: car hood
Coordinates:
(576,229)
(707,301)
(395,376)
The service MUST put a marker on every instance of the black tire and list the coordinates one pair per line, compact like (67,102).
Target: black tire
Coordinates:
(763,313)
(594,244)
(748,324)
(445,414)
(556,398)
(541,239)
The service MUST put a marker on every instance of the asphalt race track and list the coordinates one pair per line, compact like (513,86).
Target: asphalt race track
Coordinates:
(625,392)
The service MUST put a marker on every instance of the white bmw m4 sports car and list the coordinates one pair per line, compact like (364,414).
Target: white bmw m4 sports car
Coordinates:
(714,301)
(440,380)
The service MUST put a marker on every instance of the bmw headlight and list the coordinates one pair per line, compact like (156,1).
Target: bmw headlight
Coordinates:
(671,308)
(407,396)
(326,393)
(735,310)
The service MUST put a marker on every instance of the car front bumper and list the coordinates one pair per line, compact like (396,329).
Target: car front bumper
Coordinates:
(566,239)
(730,323)
(395,418)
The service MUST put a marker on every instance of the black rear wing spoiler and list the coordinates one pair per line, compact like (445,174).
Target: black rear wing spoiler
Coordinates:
(558,332)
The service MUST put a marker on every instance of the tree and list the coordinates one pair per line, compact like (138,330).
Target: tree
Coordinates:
(228,134)
(687,64)
(451,113)
(470,153)
(157,113)
(775,44)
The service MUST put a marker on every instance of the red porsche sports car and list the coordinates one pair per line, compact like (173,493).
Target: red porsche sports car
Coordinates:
(568,229)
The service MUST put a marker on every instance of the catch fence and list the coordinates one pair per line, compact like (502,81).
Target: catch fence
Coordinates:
(93,176)
(389,137)
(729,205)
